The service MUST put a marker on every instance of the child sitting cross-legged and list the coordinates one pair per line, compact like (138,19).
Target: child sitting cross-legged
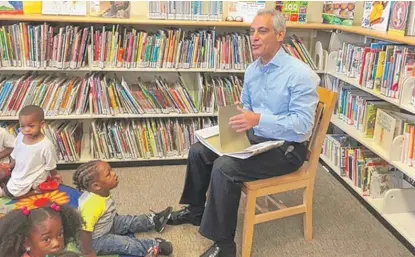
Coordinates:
(33,157)
(38,232)
(106,232)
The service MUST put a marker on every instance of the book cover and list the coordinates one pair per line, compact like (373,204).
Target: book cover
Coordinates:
(64,8)
(293,11)
(376,15)
(32,7)
(11,7)
(398,17)
(110,9)
(338,12)
(410,28)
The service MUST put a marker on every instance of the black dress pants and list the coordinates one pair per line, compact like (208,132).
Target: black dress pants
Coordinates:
(225,175)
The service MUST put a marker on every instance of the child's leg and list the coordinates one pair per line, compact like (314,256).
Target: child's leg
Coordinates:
(124,224)
(117,244)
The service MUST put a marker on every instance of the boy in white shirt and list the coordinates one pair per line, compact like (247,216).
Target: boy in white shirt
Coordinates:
(33,158)
(6,147)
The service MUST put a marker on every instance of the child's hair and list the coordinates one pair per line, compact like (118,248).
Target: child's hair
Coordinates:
(15,227)
(33,110)
(63,254)
(85,175)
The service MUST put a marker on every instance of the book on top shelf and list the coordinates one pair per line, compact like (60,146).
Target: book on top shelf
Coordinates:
(398,17)
(376,15)
(64,8)
(293,11)
(338,12)
(244,9)
(110,9)
(11,7)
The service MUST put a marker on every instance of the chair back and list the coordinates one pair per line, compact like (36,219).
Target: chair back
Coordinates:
(325,108)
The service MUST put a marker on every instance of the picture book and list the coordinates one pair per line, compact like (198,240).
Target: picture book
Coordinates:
(338,12)
(110,9)
(32,7)
(11,7)
(410,28)
(64,8)
(376,15)
(398,17)
(293,11)
(244,9)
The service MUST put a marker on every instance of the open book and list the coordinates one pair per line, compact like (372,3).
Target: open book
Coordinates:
(223,140)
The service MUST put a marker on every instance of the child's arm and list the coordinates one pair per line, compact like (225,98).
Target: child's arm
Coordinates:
(86,242)
(6,152)
(51,160)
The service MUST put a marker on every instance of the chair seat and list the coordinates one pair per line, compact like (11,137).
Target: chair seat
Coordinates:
(300,174)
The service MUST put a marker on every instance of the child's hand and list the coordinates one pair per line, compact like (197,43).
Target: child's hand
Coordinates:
(93,254)
(57,178)
(6,166)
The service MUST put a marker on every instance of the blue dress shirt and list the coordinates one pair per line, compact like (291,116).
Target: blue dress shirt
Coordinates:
(284,92)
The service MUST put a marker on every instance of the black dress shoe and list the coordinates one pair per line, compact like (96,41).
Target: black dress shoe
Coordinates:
(184,216)
(216,251)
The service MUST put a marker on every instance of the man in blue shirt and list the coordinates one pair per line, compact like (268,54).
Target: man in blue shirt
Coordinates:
(279,100)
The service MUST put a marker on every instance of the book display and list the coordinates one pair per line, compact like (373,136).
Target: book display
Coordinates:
(127,89)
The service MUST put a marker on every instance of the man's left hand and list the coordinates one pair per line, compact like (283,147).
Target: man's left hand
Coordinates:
(244,121)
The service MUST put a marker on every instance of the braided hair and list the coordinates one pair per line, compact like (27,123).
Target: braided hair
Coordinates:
(85,175)
(15,227)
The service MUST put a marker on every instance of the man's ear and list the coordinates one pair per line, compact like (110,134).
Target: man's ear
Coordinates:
(280,36)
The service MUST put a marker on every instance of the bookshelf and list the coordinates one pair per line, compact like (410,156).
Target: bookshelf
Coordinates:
(402,218)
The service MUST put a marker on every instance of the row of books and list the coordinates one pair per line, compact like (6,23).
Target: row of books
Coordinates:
(378,120)
(186,10)
(373,175)
(145,138)
(74,47)
(219,91)
(380,66)
(101,94)
(66,137)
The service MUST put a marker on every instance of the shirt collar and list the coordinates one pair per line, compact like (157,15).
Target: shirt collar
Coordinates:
(277,60)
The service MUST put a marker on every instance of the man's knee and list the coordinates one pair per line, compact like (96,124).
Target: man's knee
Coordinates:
(196,150)
(223,166)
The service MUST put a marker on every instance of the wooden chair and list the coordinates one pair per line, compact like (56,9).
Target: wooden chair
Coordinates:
(303,178)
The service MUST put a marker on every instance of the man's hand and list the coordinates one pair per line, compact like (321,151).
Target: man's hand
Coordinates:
(244,121)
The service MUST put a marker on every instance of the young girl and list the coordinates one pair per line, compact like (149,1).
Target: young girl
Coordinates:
(38,232)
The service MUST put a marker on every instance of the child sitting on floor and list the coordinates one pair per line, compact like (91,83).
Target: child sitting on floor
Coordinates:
(6,148)
(106,232)
(38,232)
(33,158)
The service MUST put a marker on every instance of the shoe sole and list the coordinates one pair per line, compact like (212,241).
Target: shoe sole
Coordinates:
(163,224)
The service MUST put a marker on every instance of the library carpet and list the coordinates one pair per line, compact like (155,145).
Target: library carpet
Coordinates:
(342,226)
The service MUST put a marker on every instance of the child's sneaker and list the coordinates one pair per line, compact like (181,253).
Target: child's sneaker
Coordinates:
(163,247)
(160,219)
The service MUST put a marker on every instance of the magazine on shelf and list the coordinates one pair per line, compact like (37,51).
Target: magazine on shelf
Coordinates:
(223,140)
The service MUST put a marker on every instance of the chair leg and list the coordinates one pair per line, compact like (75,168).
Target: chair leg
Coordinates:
(249,223)
(308,215)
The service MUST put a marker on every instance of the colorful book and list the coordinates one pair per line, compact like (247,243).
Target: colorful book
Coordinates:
(110,9)
(338,12)
(376,15)
(398,17)
(11,7)
(293,11)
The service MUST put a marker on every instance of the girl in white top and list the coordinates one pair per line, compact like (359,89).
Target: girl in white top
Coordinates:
(33,158)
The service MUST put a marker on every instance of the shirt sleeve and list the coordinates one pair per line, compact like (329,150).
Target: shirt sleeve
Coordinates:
(13,154)
(50,157)
(91,211)
(299,119)
(8,140)
(245,97)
